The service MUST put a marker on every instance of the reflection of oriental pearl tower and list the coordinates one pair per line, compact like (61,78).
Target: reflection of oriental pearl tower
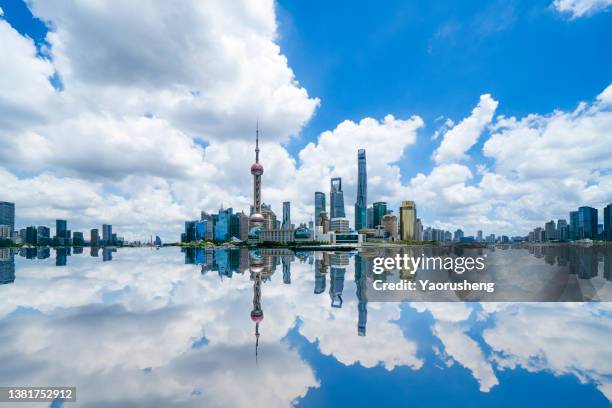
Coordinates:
(257,314)
(256,219)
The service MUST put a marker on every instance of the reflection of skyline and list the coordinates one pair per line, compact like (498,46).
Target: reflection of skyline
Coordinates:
(7,266)
(173,307)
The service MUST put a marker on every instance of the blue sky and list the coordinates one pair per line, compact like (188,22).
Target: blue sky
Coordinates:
(436,58)
(136,103)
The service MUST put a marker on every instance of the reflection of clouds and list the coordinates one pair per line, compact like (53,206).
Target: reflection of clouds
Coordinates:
(130,326)
(463,349)
(450,328)
(118,358)
(157,333)
(564,338)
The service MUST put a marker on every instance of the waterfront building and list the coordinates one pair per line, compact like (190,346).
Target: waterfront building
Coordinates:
(243,226)
(379,210)
(362,191)
(573,227)
(94,237)
(427,236)
(538,234)
(107,234)
(418,230)
(562,230)
(78,239)
(234,226)
(587,223)
(43,235)
(222,227)
(389,223)
(491,238)
(269,217)
(7,215)
(458,235)
(370,217)
(286,215)
(6,233)
(209,234)
(323,221)
(407,221)
(551,230)
(277,235)
(319,205)
(608,222)
(479,236)
(447,236)
(336,199)
(339,224)
(61,230)
(31,235)
(158,241)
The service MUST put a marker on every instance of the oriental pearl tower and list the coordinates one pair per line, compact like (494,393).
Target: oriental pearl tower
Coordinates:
(256,219)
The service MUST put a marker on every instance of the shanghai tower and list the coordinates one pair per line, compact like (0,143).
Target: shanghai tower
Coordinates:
(362,191)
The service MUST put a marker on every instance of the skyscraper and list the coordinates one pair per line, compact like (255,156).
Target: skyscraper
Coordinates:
(362,191)
(286,215)
(587,223)
(562,230)
(319,205)
(551,230)
(379,211)
(408,216)
(222,226)
(336,199)
(573,227)
(94,238)
(107,234)
(7,215)
(608,222)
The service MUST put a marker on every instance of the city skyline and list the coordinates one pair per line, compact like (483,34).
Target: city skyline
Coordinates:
(149,144)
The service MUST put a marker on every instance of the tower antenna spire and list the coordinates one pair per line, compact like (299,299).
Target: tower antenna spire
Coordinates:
(257,142)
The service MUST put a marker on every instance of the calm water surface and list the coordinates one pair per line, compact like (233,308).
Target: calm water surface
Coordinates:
(172,328)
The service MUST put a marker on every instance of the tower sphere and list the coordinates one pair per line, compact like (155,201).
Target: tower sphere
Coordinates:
(257,316)
(256,169)
(257,218)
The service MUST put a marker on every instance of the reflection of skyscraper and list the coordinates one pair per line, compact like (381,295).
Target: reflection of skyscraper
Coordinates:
(286,270)
(94,251)
(43,253)
(61,255)
(320,275)
(319,205)
(336,199)
(336,286)
(107,254)
(7,266)
(362,306)
(361,203)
